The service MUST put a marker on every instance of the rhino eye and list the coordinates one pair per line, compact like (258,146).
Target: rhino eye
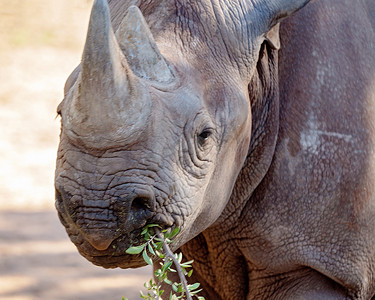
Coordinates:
(204,135)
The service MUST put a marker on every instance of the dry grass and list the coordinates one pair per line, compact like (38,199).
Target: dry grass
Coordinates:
(54,23)
(41,44)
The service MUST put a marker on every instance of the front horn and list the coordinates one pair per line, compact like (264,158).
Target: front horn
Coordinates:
(109,104)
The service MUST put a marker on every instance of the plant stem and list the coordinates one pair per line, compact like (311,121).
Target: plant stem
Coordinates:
(170,254)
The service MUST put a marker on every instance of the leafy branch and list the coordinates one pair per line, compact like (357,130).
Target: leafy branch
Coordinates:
(157,246)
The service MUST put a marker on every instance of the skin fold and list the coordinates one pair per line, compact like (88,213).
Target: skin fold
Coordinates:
(251,128)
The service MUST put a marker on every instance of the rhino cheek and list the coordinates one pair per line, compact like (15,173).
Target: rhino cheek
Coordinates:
(220,187)
(230,159)
(210,199)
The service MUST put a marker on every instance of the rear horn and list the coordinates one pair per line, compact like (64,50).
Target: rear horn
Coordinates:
(140,49)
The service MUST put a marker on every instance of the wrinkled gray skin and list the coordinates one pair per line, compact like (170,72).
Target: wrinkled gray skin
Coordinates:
(264,157)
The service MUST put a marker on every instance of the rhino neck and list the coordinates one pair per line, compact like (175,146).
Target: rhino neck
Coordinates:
(209,245)
(207,255)
(264,97)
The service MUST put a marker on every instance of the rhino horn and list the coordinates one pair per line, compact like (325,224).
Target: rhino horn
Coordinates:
(109,101)
(103,66)
(138,45)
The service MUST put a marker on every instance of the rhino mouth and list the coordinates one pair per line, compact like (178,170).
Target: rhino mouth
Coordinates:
(117,236)
(114,255)
(104,228)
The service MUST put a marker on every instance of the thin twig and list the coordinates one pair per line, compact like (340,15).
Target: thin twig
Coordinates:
(170,254)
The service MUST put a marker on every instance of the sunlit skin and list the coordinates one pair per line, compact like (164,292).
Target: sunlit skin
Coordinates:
(188,114)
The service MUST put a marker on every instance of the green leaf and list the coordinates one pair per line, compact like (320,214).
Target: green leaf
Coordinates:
(147,236)
(147,258)
(194,286)
(174,288)
(190,273)
(195,292)
(159,254)
(159,246)
(151,250)
(158,273)
(147,227)
(187,264)
(136,249)
(174,232)
(167,265)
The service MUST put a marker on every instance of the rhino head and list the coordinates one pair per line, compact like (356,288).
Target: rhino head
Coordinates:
(157,120)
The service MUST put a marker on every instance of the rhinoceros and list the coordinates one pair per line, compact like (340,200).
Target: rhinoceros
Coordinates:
(250,125)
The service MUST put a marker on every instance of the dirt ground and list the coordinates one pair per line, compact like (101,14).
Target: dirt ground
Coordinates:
(41,44)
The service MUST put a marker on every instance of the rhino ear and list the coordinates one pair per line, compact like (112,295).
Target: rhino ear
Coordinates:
(273,38)
(281,9)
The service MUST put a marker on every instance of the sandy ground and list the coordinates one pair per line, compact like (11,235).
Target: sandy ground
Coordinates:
(41,44)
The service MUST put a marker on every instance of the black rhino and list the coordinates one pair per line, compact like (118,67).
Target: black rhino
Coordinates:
(190,114)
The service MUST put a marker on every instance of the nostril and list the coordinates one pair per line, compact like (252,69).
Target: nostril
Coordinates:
(140,211)
(140,203)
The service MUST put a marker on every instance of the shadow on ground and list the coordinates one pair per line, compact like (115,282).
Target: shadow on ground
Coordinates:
(37,261)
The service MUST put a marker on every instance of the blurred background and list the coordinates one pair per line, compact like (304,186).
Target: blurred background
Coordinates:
(40,44)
